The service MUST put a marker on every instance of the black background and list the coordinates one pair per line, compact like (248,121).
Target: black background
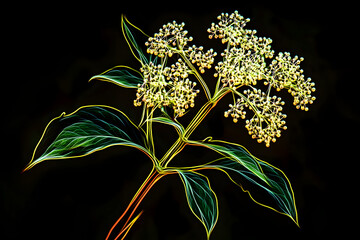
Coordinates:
(50,52)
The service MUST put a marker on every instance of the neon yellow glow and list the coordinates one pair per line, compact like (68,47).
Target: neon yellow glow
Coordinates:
(166,89)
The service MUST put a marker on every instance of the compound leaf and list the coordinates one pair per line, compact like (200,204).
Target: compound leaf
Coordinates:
(122,76)
(87,130)
(201,198)
(269,178)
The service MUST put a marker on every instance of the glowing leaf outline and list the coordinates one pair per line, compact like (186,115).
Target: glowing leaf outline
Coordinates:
(165,120)
(128,135)
(252,169)
(121,76)
(201,198)
(127,29)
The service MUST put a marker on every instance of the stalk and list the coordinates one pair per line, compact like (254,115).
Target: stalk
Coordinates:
(125,218)
(195,122)
(149,134)
(197,75)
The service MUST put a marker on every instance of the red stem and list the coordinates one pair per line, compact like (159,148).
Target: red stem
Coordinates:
(153,177)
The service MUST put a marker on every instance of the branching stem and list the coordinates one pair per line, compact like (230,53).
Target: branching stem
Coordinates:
(197,75)
(126,217)
(182,141)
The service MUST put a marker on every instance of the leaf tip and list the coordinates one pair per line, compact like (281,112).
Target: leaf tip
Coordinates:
(296,221)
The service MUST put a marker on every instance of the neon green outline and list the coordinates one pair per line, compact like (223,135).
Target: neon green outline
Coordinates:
(124,20)
(206,166)
(33,163)
(161,168)
(100,78)
(187,197)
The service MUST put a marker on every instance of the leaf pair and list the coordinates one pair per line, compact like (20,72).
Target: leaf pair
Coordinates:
(122,75)
(237,160)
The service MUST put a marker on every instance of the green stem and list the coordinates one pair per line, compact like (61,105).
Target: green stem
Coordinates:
(251,105)
(197,75)
(182,141)
(149,134)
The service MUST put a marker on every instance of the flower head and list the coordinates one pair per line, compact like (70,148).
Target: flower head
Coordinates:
(230,29)
(168,37)
(167,86)
(244,64)
(201,59)
(172,38)
(244,59)
(284,72)
(267,121)
(240,67)
(182,96)
(152,92)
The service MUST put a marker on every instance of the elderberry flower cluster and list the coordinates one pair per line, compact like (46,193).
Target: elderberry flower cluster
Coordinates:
(244,59)
(166,86)
(169,36)
(231,29)
(170,86)
(245,63)
(240,67)
(284,73)
(268,120)
(201,59)
(172,38)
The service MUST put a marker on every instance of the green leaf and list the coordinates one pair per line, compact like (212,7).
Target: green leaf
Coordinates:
(129,31)
(263,175)
(87,130)
(165,120)
(201,198)
(122,76)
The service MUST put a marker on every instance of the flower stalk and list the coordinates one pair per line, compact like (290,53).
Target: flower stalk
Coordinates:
(194,123)
(197,75)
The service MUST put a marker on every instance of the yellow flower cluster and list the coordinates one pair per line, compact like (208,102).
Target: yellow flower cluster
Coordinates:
(152,91)
(244,64)
(182,96)
(268,120)
(201,59)
(240,67)
(172,38)
(244,59)
(170,86)
(231,29)
(284,73)
(166,86)
(169,36)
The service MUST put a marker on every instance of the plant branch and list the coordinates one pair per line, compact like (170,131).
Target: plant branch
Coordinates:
(149,134)
(182,141)
(152,178)
(197,75)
